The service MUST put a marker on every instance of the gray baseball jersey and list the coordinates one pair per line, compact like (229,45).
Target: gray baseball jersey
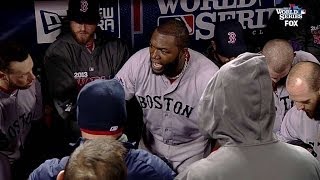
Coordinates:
(281,96)
(170,110)
(297,125)
(17,110)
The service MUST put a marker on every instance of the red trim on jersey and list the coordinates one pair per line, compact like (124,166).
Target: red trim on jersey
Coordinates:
(90,46)
(172,80)
(102,132)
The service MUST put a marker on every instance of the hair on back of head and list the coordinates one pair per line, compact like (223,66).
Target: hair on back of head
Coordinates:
(279,54)
(12,51)
(307,71)
(176,28)
(101,158)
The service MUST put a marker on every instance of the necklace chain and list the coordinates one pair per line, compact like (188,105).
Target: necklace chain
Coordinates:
(186,62)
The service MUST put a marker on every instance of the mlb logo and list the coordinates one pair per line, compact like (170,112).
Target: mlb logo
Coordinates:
(187,19)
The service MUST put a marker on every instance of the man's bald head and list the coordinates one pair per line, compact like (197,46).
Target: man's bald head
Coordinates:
(279,55)
(303,83)
(308,72)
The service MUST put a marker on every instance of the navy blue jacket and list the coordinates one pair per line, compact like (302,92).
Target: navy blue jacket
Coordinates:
(140,165)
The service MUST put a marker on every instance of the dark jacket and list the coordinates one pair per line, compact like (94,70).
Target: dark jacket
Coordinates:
(69,66)
(140,165)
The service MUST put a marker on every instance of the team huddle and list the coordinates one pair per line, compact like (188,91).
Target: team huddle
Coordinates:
(227,114)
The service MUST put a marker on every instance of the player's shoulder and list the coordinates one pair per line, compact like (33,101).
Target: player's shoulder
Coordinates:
(113,42)
(60,42)
(294,114)
(202,66)
(202,61)
(304,56)
(301,153)
(141,56)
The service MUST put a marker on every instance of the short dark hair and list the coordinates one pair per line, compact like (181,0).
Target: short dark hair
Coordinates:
(101,158)
(176,28)
(11,51)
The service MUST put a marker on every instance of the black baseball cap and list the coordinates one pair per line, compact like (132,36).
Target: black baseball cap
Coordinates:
(83,11)
(229,38)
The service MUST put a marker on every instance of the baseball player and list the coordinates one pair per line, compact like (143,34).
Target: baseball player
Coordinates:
(77,58)
(228,42)
(168,79)
(280,57)
(302,121)
(20,99)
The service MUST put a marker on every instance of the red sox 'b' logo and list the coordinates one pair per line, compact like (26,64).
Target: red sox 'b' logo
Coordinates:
(232,37)
(83,6)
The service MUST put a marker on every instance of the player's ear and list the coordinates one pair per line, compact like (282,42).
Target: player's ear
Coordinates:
(60,175)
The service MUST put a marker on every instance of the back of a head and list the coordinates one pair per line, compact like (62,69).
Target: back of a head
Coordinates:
(306,71)
(229,38)
(237,106)
(101,107)
(11,51)
(83,11)
(279,54)
(176,28)
(97,159)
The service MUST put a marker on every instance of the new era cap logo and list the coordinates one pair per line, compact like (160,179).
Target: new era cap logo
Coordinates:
(83,6)
(51,21)
(187,19)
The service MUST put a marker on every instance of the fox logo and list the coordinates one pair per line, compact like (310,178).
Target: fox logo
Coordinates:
(187,19)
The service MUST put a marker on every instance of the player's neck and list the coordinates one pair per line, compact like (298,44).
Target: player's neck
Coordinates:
(180,70)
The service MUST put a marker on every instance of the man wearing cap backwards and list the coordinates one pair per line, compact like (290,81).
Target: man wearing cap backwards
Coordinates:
(237,108)
(77,58)
(228,42)
(101,112)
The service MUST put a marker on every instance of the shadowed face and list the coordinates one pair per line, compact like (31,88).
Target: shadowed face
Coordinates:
(82,33)
(275,76)
(165,55)
(20,75)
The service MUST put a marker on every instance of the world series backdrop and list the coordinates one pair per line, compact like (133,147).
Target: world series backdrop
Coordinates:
(38,23)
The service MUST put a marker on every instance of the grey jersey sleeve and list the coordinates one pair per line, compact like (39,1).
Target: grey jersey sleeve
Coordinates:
(38,112)
(128,75)
(289,124)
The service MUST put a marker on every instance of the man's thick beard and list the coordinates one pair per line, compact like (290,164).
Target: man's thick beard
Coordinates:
(169,69)
(80,41)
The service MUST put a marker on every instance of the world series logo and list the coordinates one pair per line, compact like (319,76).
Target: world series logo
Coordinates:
(291,15)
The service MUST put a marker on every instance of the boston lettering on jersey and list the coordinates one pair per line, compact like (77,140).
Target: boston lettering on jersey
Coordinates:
(315,145)
(168,104)
(286,102)
(19,124)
